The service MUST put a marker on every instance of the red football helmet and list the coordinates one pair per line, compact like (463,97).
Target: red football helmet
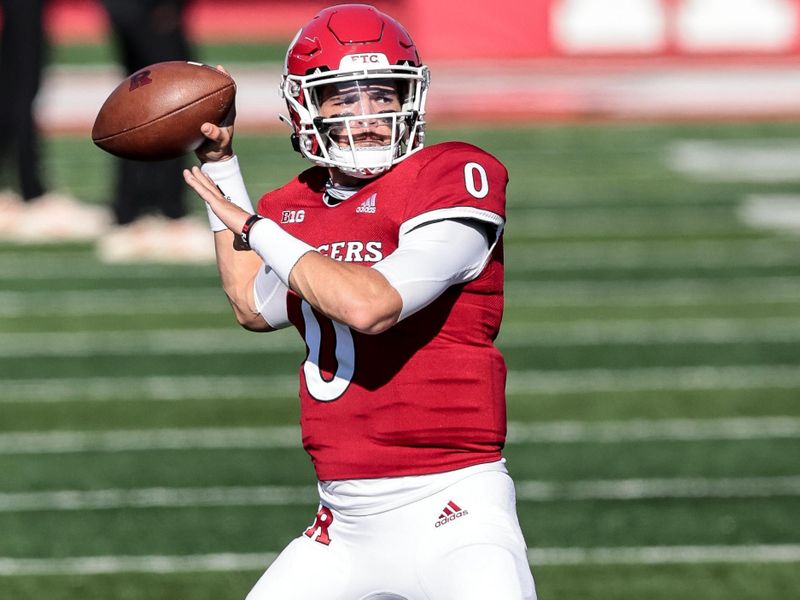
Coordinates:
(354,43)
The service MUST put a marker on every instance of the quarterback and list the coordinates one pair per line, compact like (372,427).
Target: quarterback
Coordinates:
(386,256)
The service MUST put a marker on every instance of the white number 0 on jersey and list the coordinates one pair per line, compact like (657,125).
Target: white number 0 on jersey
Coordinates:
(320,388)
(480,188)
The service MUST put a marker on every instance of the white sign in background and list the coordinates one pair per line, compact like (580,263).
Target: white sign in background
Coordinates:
(643,26)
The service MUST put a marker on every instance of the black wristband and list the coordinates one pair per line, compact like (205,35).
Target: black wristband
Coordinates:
(248,225)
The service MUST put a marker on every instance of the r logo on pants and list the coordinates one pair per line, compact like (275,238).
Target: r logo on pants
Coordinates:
(321,523)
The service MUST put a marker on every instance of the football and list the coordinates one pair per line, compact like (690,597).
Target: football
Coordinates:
(156,113)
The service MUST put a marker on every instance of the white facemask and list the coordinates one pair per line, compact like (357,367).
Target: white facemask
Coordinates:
(360,159)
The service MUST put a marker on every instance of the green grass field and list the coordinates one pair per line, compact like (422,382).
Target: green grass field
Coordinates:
(148,447)
(104,52)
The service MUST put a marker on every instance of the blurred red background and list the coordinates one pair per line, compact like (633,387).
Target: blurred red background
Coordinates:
(501,29)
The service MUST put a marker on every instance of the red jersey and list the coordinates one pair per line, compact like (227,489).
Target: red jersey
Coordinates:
(427,395)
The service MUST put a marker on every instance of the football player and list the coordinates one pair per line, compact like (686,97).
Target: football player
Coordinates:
(386,255)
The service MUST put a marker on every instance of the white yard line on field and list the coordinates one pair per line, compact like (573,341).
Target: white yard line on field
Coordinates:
(110,499)
(567,381)
(641,430)
(77,303)
(595,332)
(134,440)
(680,291)
(231,340)
(100,565)
(636,555)
(555,432)
(660,555)
(166,300)
(87,267)
(150,388)
(536,223)
(780,212)
(570,381)
(642,489)
(555,256)
(753,160)
(527,491)
(227,340)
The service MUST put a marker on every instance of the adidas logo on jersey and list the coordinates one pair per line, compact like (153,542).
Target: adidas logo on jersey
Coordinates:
(450,512)
(368,205)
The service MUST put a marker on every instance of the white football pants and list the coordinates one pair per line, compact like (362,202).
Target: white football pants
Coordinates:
(462,543)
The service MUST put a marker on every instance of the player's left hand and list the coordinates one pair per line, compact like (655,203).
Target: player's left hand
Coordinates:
(230,214)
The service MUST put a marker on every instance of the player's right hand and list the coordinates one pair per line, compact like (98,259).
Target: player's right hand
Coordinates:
(219,138)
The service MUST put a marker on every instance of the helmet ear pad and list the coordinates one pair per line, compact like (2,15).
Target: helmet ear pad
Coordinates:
(299,115)
(295,140)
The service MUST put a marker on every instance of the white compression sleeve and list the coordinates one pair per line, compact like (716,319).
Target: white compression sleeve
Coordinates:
(279,250)
(228,177)
(269,293)
(432,257)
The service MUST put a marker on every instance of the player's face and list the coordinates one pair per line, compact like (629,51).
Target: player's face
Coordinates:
(354,98)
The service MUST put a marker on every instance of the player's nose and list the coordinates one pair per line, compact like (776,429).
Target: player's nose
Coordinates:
(366,105)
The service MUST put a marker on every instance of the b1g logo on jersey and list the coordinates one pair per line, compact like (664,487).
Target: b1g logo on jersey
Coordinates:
(293,216)
(353,251)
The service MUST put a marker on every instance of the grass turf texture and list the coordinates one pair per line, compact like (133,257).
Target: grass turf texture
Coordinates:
(106,53)
(634,293)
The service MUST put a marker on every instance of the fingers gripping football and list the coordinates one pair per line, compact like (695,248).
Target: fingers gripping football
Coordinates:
(218,144)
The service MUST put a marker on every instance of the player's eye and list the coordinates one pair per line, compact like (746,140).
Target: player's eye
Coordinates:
(345,100)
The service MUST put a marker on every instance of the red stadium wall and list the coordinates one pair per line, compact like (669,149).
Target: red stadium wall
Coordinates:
(455,29)
(505,29)
(81,21)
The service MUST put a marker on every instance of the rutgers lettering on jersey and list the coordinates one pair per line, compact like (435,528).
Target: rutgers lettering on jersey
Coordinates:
(427,395)
(369,252)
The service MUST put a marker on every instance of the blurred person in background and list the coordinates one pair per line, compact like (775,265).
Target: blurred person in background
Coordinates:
(150,212)
(28,211)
